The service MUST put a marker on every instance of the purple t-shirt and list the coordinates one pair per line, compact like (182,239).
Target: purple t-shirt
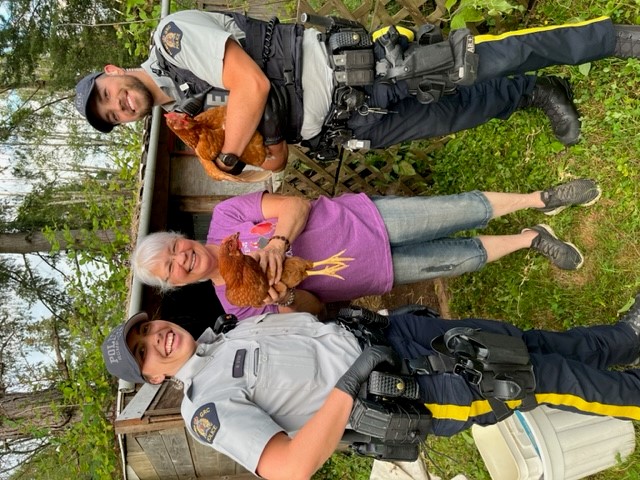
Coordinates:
(350,222)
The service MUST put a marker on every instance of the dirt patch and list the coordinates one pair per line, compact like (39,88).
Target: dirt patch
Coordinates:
(433,293)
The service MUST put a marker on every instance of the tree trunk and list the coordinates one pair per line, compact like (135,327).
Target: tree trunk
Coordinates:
(21,412)
(30,242)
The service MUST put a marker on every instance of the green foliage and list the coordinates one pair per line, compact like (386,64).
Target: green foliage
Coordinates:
(476,11)
(93,300)
(143,18)
(51,42)
(521,155)
(345,466)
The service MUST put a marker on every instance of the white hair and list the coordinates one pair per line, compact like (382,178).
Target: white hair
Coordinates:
(146,257)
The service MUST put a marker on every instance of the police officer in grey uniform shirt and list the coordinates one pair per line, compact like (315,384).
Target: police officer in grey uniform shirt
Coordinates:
(271,374)
(264,392)
(226,51)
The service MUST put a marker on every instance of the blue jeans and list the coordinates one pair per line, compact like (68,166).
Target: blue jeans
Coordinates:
(420,230)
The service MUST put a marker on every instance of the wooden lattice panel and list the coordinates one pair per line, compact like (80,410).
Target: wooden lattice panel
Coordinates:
(375,14)
(311,178)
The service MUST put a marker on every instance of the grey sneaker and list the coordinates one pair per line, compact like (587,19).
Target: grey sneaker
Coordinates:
(583,192)
(563,255)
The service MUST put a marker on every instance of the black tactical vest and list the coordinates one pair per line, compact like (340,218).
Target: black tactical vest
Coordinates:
(275,47)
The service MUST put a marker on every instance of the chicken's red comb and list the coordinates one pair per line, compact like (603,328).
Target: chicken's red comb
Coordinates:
(177,117)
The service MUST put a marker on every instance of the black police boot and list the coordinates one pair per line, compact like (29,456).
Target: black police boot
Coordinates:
(554,97)
(627,41)
(632,316)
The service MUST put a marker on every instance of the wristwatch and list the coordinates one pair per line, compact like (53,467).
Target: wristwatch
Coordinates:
(228,159)
(231,161)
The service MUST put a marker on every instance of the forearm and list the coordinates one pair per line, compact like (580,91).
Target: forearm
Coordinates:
(293,213)
(320,435)
(305,301)
(248,90)
(244,110)
(300,456)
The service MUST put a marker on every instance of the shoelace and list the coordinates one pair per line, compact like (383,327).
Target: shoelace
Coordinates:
(549,247)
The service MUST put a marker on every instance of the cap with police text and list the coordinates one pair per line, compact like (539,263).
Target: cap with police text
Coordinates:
(84,88)
(119,359)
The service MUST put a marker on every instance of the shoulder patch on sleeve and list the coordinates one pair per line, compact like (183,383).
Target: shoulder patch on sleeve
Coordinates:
(171,38)
(205,423)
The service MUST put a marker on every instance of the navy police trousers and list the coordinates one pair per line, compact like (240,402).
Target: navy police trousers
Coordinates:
(571,370)
(495,94)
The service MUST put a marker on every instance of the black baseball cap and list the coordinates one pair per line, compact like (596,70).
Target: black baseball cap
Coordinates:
(115,351)
(84,89)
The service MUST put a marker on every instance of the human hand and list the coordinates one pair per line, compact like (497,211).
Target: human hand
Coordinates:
(276,157)
(359,372)
(271,260)
(277,294)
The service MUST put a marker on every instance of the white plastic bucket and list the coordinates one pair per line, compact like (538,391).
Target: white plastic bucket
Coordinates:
(552,444)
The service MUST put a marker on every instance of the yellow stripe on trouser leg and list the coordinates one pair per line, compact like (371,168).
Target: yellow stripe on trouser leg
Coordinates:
(527,31)
(463,413)
(620,411)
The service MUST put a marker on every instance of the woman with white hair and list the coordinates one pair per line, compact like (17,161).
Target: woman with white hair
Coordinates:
(392,241)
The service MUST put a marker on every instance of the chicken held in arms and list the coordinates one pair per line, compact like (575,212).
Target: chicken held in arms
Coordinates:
(205,134)
(247,285)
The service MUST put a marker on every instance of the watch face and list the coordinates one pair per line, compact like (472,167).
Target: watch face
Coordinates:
(229,159)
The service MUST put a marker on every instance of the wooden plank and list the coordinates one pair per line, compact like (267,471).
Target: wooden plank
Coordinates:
(171,396)
(163,412)
(139,404)
(158,217)
(173,422)
(237,476)
(205,459)
(156,452)
(189,178)
(198,203)
(175,441)
(159,395)
(226,466)
(141,465)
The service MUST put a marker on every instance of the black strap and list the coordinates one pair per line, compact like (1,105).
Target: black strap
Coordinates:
(431,365)
(500,409)
(193,90)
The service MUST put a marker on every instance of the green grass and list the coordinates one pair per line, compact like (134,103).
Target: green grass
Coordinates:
(521,155)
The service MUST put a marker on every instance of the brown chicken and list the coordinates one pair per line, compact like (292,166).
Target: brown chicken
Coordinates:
(247,285)
(205,134)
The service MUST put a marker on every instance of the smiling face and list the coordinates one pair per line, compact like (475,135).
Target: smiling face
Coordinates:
(120,98)
(160,348)
(185,261)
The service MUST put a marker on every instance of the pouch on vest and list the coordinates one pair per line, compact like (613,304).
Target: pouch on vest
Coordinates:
(498,364)
(388,408)
(430,66)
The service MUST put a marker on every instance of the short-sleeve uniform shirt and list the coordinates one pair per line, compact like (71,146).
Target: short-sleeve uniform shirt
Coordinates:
(195,40)
(270,374)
